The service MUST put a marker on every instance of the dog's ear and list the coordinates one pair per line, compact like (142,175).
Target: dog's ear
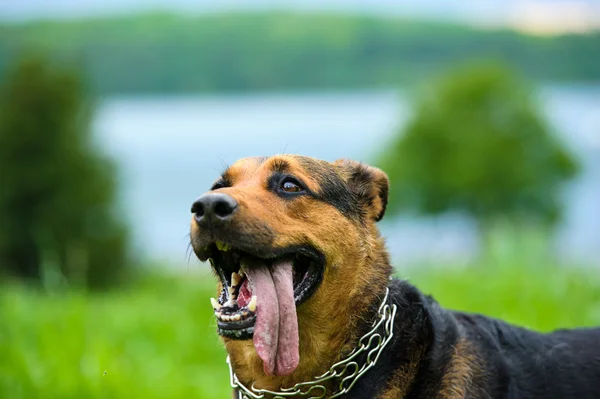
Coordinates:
(370,184)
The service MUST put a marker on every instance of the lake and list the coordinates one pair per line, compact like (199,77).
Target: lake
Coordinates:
(172,148)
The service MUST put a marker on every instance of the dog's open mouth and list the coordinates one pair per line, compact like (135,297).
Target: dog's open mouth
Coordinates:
(259,298)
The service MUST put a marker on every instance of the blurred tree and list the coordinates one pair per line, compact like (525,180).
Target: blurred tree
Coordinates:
(167,53)
(57,192)
(478,144)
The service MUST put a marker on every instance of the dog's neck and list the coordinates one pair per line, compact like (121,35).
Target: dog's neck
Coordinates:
(325,337)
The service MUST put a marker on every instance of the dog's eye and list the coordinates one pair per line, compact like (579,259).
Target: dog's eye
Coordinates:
(221,183)
(291,186)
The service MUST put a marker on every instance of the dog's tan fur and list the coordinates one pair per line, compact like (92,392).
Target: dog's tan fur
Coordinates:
(435,353)
(327,320)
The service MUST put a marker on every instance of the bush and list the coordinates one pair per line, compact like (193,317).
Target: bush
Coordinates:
(57,203)
(478,144)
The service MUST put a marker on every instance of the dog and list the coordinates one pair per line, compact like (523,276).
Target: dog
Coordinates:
(306,304)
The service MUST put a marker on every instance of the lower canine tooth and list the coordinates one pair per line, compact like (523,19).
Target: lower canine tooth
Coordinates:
(252,304)
(215,304)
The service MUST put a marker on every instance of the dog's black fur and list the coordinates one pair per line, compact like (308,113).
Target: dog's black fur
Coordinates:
(434,353)
(515,362)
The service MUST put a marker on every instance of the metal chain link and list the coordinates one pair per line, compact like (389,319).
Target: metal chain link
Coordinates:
(348,371)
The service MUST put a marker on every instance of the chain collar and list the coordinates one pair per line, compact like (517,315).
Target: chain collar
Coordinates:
(347,371)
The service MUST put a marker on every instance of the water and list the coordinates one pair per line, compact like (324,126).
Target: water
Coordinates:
(172,148)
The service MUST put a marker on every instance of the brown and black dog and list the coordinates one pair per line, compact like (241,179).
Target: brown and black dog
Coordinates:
(302,272)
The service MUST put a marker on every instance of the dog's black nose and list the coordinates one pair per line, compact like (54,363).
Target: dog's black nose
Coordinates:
(214,208)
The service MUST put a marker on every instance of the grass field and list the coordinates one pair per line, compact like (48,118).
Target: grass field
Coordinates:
(156,339)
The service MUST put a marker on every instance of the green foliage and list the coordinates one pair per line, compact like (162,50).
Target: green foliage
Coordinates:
(478,144)
(542,298)
(276,51)
(158,339)
(154,340)
(57,199)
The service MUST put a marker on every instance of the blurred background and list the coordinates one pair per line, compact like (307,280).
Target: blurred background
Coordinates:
(116,115)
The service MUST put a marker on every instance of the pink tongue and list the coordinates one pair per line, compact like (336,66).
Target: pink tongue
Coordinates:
(276,332)
(288,354)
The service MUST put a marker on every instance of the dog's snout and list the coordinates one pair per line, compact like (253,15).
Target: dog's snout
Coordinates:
(214,208)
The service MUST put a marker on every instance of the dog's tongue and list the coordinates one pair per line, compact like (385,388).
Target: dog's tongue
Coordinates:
(288,354)
(276,332)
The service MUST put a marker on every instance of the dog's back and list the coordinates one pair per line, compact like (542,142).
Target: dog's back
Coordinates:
(521,363)
(439,353)
(561,364)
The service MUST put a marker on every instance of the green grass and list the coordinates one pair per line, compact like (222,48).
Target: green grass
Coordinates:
(542,299)
(157,339)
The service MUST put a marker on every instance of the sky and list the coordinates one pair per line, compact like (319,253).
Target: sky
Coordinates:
(19,9)
(533,16)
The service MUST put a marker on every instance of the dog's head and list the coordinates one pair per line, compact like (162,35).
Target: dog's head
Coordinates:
(295,248)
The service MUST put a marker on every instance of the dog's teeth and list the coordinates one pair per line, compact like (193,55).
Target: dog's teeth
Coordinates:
(221,246)
(232,302)
(215,304)
(225,317)
(235,317)
(235,279)
(232,293)
(252,304)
